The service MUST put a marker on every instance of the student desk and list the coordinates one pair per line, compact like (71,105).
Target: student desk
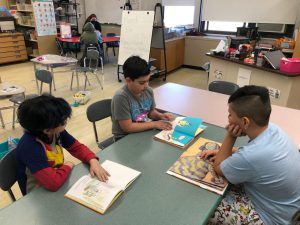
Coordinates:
(153,198)
(212,107)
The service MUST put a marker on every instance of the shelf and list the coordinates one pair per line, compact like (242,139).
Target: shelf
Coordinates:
(23,25)
(29,11)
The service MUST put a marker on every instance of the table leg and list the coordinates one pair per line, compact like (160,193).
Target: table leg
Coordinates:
(2,121)
(36,81)
(77,79)
(54,87)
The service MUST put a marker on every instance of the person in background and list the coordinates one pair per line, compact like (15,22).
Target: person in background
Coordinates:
(89,35)
(133,106)
(93,19)
(40,158)
(267,169)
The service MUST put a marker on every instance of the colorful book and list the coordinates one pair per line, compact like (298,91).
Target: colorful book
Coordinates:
(191,168)
(99,196)
(185,129)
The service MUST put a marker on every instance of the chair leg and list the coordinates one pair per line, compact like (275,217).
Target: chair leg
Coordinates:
(72,81)
(53,79)
(14,116)
(107,54)
(101,60)
(114,51)
(99,81)
(85,81)
(41,88)
(2,121)
(12,195)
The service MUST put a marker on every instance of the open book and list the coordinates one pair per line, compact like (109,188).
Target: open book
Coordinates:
(185,129)
(98,195)
(191,168)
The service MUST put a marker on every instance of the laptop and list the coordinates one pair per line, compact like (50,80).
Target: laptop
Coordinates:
(274,58)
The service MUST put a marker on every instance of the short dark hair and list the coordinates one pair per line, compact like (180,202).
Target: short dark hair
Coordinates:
(135,67)
(253,102)
(43,112)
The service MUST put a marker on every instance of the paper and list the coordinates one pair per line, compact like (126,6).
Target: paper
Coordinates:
(221,46)
(243,77)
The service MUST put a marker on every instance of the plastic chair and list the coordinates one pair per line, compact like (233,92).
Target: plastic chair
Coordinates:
(112,45)
(223,87)
(17,100)
(98,111)
(90,64)
(8,172)
(44,76)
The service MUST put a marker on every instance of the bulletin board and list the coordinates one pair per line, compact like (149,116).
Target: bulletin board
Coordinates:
(136,34)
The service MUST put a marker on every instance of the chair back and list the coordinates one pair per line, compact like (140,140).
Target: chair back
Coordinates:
(98,111)
(8,172)
(223,87)
(44,76)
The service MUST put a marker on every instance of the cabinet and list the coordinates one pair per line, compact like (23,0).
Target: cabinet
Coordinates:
(12,47)
(68,12)
(174,54)
(26,24)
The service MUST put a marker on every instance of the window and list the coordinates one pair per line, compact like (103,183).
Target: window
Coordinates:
(221,27)
(172,18)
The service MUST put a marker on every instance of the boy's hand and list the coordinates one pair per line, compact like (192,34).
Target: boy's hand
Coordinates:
(162,125)
(70,164)
(234,130)
(98,170)
(167,116)
(209,154)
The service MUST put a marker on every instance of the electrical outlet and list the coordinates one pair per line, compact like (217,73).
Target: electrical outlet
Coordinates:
(218,74)
(274,93)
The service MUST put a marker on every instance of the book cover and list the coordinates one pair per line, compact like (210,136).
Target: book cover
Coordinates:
(185,129)
(97,195)
(191,168)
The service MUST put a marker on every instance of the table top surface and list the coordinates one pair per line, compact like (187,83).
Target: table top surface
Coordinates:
(213,109)
(50,59)
(153,198)
(8,89)
(105,39)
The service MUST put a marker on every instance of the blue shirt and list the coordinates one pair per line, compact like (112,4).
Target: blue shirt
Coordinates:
(269,168)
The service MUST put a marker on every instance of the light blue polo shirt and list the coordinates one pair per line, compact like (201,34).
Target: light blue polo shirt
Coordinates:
(269,168)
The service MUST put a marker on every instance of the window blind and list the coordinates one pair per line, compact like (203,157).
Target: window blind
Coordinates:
(266,11)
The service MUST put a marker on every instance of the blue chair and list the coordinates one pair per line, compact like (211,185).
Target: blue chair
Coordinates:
(112,45)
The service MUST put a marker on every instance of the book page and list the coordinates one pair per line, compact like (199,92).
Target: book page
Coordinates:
(176,138)
(120,176)
(93,193)
(190,167)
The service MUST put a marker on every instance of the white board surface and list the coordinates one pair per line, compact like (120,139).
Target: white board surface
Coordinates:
(136,34)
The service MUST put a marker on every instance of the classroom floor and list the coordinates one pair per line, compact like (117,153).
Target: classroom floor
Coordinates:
(78,125)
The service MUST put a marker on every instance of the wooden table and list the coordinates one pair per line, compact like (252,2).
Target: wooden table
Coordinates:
(212,107)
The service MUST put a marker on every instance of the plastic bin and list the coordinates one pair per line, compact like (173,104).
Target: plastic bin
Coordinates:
(290,65)
(82,97)
(8,145)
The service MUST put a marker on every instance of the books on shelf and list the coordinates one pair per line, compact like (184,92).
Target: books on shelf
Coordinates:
(99,196)
(185,129)
(191,168)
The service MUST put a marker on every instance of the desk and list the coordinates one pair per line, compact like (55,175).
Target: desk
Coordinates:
(155,198)
(53,61)
(105,39)
(212,107)
(9,89)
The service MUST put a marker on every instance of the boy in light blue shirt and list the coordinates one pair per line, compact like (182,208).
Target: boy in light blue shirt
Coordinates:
(268,167)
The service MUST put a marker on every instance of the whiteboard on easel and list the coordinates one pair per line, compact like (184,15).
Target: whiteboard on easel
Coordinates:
(136,35)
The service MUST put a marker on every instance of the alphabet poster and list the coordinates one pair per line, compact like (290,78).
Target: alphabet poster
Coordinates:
(44,17)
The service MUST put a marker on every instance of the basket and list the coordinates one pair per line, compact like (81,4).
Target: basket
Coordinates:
(82,97)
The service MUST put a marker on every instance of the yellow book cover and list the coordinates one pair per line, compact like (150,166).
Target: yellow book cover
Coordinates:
(191,168)
(99,196)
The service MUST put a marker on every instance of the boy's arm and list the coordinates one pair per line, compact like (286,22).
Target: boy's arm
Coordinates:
(226,149)
(156,115)
(129,126)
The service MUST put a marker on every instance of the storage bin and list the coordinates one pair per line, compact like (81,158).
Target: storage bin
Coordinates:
(8,145)
(28,7)
(290,65)
(81,97)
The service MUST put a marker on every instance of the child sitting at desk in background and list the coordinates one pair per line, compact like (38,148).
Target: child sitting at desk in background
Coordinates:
(133,106)
(90,35)
(39,153)
(268,166)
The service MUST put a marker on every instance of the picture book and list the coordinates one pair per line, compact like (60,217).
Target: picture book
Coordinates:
(191,168)
(185,129)
(99,196)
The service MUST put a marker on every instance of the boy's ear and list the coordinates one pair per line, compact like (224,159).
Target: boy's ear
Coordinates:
(246,122)
(127,79)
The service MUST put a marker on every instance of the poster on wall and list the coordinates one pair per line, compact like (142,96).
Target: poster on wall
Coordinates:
(44,17)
